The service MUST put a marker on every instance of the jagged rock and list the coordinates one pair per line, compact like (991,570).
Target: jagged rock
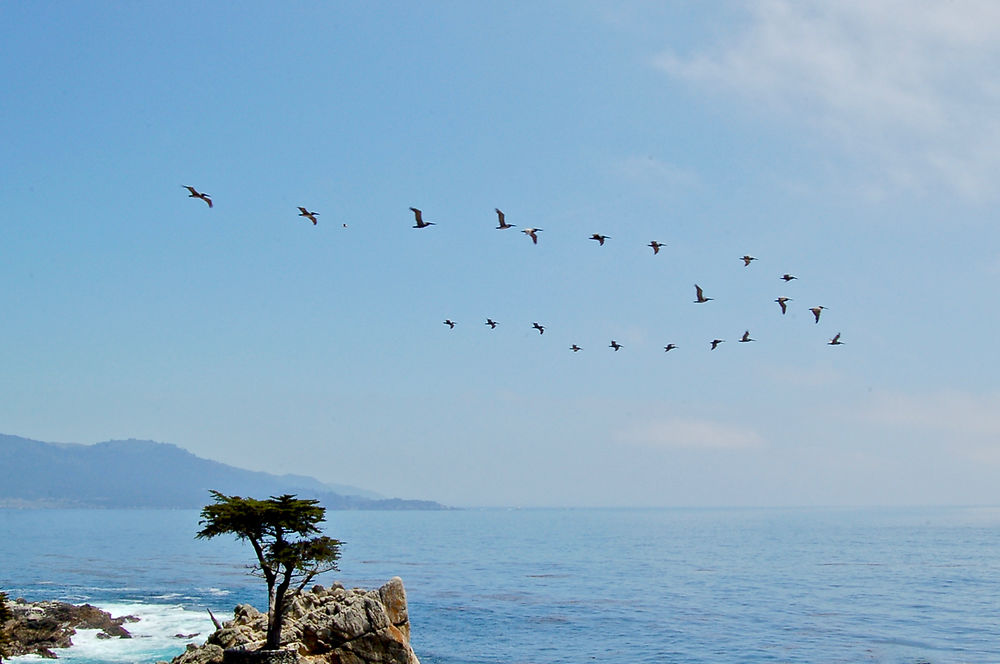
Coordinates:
(325,626)
(39,627)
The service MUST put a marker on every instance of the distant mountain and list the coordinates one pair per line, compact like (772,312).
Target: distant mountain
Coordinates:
(144,473)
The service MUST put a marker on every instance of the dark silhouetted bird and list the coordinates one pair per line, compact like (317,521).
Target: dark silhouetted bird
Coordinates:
(419,216)
(575,348)
(600,238)
(531,232)
(835,341)
(716,342)
(781,303)
(615,345)
(746,337)
(450,323)
(492,323)
(746,260)
(540,328)
(788,277)
(669,347)
(311,216)
(700,295)
(197,194)
(503,224)
(656,246)
(817,311)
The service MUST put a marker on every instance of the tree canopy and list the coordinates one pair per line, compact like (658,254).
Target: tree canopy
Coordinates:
(285,536)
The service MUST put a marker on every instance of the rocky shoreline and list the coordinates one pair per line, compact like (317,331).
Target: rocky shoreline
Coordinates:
(37,628)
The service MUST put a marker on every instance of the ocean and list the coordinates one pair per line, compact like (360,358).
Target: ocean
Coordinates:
(547,586)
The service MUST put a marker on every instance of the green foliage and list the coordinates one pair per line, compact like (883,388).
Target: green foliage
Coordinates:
(5,612)
(284,533)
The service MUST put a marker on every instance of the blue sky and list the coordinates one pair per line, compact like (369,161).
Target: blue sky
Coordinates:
(855,145)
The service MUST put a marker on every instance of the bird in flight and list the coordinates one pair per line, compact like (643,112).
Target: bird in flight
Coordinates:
(492,323)
(782,303)
(788,277)
(197,194)
(746,337)
(669,347)
(600,238)
(311,216)
(656,246)
(700,295)
(746,260)
(419,216)
(450,323)
(835,341)
(540,328)
(531,232)
(615,345)
(817,311)
(503,224)
(575,348)
(716,342)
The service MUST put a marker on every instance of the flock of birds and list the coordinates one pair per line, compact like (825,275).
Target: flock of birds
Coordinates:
(502,224)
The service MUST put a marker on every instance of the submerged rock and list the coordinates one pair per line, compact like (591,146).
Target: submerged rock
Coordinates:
(325,625)
(36,628)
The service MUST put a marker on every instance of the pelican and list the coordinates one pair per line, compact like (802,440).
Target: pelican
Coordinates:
(530,232)
(311,216)
(835,341)
(817,311)
(746,260)
(540,328)
(746,337)
(503,224)
(781,303)
(700,295)
(669,347)
(615,345)
(656,246)
(450,323)
(600,238)
(788,277)
(419,216)
(492,323)
(575,348)
(197,194)
(716,342)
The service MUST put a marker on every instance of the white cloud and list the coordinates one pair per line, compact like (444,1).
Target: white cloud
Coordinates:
(960,415)
(909,86)
(691,433)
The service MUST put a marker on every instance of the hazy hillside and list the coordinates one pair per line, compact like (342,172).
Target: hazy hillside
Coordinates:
(143,473)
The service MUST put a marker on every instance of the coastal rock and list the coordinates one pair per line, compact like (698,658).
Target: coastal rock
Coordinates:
(36,628)
(324,626)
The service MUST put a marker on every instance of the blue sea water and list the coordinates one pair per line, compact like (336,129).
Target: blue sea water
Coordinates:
(547,586)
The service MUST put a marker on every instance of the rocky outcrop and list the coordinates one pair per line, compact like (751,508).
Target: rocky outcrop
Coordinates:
(324,626)
(36,628)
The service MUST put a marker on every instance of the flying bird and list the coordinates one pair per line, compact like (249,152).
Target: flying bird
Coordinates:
(835,341)
(615,345)
(746,337)
(669,347)
(817,311)
(716,342)
(540,328)
(782,303)
(746,260)
(700,295)
(503,224)
(419,216)
(311,216)
(531,232)
(575,348)
(450,323)
(656,246)
(197,194)
(788,277)
(600,238)
(492,323)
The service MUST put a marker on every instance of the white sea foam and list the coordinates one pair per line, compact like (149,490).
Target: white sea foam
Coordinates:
(154,637)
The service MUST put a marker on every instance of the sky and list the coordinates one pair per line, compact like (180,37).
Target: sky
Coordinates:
(855,145)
